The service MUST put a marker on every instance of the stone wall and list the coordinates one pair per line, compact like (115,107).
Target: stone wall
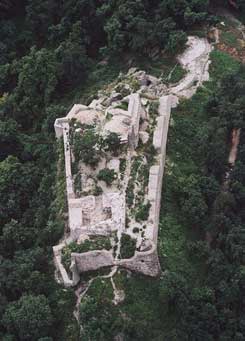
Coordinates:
(145,262)
(68,282)
(62,129)
(135,111)
(92,260)
(156,171)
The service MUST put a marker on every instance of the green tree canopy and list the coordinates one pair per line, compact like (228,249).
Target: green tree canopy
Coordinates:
(29,318)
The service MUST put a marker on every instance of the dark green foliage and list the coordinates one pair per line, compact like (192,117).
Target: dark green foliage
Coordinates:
(77,183)
(17,185)
(107,175)
(150,153)
(210,214)
(176,74)
(142,212)
(130,193)
(97,191)
(9,139)
(29,318)
(136,230)
(123,106)
(86,147)
(142,25)
(153,108)
(128,246)
(97,312)
(222,63)
(112,143)
(122,166)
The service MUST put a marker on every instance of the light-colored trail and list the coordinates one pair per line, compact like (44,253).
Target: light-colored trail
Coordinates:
(195,60)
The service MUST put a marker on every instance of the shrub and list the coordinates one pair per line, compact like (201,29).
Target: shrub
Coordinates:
(78,183)
(136,230)
(142,213)
(123,106)
(29,318)
(97,190)
(130,193)
(122,166)
(112,142)
(128,246)
(107,175)
(86,147)
(153,108)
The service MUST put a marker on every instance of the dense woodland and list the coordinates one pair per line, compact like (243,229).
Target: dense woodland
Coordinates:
(48,51)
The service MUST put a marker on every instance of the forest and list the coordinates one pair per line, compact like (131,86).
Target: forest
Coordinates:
(50,57)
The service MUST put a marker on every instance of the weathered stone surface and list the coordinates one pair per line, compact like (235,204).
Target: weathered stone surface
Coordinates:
(92,260)
(146,263)
(115,96)
(124,89)
(153,80)
(144,136)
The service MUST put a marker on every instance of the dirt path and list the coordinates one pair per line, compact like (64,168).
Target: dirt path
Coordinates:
(195,60)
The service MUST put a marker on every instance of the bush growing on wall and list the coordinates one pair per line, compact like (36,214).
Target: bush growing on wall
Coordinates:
(128,246)
(107,175)
(112,143)
(142,213)
(86,147)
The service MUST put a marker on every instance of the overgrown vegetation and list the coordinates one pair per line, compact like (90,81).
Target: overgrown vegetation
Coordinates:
(95,243)
(86,147)
(112,143)
(130,193)
(128,246)
(143,212)
(49,60)
(107,175)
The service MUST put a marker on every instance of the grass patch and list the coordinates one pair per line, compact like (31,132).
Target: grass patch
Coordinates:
(101,289)
(229,38)
(166,67)
(221,63)
(175,74)
(123,106)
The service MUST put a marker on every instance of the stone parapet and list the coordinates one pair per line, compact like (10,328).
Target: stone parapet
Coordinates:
(156,171)
(68,282)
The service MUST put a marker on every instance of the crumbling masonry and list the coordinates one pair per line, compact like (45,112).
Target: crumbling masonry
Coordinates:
(80,209)
(110,213)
